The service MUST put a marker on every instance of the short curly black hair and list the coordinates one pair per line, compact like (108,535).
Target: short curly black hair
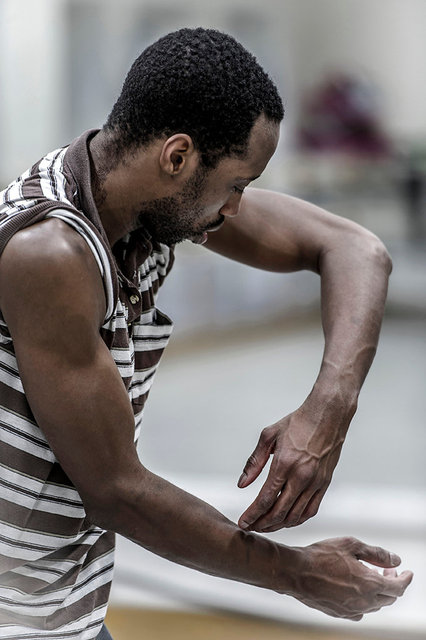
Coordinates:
(196,81)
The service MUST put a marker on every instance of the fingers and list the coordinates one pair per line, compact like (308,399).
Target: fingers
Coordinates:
(258,458)
(286,510)
(376,555)
(384,601)
(392,584)
(380,602)
(313,505)
(297,481)
(306,507)
(276,517)
(290,508)
(338,583)
(263,503)
(395,586)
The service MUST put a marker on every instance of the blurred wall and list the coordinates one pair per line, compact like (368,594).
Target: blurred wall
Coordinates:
(384,41)
(32,81)
(62,62)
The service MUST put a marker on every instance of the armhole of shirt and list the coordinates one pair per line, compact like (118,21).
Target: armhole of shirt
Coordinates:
(98,250)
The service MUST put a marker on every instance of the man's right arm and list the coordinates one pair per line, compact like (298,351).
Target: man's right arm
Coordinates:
(52,298)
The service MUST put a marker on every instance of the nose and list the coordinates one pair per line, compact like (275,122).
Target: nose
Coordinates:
(231,206)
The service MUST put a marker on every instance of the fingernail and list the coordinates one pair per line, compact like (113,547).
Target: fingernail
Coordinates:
(244,525)
(242,479)
(395,560)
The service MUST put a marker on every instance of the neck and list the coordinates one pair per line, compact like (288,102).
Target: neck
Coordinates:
(120,187)
(101,189)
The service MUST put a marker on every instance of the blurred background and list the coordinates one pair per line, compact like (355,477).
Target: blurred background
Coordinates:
(352,75)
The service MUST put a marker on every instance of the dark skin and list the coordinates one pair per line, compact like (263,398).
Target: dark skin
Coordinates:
(307,443)
(68,375)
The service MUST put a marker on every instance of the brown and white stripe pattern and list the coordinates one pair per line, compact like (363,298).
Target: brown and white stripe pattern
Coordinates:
(55,567)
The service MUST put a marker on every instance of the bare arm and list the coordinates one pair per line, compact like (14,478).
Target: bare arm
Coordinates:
(53,301)
(280,233)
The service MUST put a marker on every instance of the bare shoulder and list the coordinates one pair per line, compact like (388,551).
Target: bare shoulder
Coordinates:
(44,244)
(49,262)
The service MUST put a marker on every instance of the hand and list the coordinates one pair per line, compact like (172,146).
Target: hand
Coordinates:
(306,447)
(331,578)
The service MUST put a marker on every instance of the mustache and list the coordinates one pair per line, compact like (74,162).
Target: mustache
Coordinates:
(216,223)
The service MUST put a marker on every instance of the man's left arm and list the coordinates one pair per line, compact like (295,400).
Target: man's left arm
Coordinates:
(280,233)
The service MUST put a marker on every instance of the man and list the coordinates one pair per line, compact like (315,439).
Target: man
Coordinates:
(86,239)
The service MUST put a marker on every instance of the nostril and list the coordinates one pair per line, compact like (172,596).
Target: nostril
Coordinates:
(230,210)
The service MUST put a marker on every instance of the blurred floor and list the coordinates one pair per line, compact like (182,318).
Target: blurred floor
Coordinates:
(134,624)
(217,389)
(204,416)
(211,399)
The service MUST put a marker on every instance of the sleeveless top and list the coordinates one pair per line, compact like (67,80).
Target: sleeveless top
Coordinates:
(55,567)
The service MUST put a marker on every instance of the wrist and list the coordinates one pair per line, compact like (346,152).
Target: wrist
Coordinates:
(290,562)
(329,411)
(272,566)
(335,395)
(341,376)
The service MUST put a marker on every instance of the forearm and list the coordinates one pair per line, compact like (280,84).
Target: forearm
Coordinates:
(354,279)
(182,528)
(326,575)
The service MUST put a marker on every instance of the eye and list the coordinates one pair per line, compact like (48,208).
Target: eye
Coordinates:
(237,190)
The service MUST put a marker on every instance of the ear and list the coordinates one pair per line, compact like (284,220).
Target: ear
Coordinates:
(178,155)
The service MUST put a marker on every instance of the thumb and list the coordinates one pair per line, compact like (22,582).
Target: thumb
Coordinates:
(377,556)
(256,461)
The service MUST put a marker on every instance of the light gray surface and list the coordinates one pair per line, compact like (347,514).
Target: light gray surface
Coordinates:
(206,409)
(201,423)
(208,406)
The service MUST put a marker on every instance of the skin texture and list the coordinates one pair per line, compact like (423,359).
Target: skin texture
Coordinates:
(50,285)
(306,444)
(166,169)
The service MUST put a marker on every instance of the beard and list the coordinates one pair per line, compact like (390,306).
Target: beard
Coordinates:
(173,219)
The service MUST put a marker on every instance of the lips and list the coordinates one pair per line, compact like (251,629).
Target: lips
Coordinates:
(200,239)
(216,225)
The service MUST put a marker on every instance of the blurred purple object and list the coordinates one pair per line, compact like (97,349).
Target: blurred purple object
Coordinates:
(341,115)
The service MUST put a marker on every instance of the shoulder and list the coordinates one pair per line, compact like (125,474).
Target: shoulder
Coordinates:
(50,240)
(50,261)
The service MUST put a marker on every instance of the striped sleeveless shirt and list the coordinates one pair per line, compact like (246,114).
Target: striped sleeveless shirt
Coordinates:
(55,567)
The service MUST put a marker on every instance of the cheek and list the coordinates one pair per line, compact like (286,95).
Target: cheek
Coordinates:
(214,205)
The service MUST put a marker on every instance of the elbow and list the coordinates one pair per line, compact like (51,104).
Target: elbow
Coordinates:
(361,244)
(359,247)
(99,508)
(99,513)
(110,504)
(378,253)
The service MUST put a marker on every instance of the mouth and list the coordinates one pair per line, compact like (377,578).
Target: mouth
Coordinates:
(214,226)
(201,238)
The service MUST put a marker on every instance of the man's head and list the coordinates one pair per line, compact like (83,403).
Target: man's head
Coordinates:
(206,196)
(198,81)
(196,121)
